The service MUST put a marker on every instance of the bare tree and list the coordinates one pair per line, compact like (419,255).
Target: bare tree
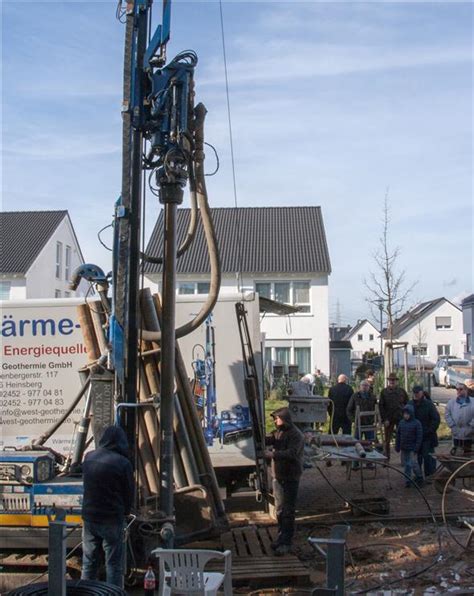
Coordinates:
(386,285)
(420,337)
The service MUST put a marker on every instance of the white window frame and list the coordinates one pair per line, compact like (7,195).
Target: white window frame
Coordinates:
(292,292)
(5,289)
(59,259)
(419,349)
(57,293)
(67,262)
(360,337)
(371,337)
(441,327)
(443,352)
(195,286)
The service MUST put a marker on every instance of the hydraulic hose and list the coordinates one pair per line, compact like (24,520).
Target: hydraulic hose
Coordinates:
(209,231)
(46,435)
(190,234)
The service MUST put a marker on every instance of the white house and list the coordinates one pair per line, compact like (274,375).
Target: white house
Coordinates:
(364,337)
(39,252)
(279,252)
(432,329)
(468,326)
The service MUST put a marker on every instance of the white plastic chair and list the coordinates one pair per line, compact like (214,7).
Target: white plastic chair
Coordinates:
(182,572)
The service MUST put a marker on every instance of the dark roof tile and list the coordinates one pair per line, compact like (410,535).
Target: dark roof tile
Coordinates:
(23,234)
(253,240)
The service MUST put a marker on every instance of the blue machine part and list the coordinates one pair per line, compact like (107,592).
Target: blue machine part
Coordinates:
(26,467)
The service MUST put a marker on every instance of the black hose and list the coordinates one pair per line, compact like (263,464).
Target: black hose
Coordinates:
(438,556)
(82,587)
(46,435)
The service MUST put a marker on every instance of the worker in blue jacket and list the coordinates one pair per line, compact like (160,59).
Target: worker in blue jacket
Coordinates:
(408,443)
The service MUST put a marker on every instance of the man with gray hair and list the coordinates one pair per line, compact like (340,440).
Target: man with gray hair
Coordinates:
(340,394)
(459,414)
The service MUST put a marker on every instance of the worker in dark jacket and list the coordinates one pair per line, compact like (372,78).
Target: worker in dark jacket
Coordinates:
(391,403)
(286,454)
(366,402)
(427,414)
(340,394)
(408,442)
(108,496)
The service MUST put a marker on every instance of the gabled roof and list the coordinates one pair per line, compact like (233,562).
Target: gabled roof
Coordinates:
(253,240)
(356,328)
(468,300)
(23,234)
(416,314)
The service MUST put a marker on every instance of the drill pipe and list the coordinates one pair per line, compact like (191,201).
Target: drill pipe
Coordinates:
(183,445)
(207,475)
(88,332)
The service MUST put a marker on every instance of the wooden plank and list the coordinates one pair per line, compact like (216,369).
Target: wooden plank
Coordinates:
(253,542)
(240,544)
(265,540)
(273,531)
(228,542)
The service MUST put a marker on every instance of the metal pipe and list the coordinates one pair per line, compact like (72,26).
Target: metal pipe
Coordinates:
(98,320)
(88,332)
(168,343)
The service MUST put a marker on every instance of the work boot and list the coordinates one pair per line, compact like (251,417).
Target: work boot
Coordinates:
(275,544)
(283,549)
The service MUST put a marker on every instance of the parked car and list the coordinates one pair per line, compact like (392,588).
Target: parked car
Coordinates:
(455,365)
(457,375)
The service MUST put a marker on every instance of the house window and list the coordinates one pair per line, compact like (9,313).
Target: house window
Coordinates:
(67,294)
(303,360)
(282,356)
(268,356)
(468,343)
(193,287)
(360,337)
(444,350)
(443,322)
(301,296)
(419,350)
(371,337)
(264,289)
(57,293)
(282,292)
(5,287)
(67,263)
(295,293)
(59,259)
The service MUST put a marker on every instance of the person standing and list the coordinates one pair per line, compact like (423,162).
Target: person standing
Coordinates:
(370,378)
(408,443)
(426,412)
(340,394)
(459,414)
(391,403)
(108,496)
(366,402)
(286,454)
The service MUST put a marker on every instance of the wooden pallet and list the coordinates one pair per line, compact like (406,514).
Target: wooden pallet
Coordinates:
(253,561)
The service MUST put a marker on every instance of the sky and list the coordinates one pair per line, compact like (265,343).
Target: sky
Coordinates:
(332,103)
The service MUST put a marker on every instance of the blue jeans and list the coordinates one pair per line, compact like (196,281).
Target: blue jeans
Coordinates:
(285,493)
(425,458)
(109,536)
(410,465)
